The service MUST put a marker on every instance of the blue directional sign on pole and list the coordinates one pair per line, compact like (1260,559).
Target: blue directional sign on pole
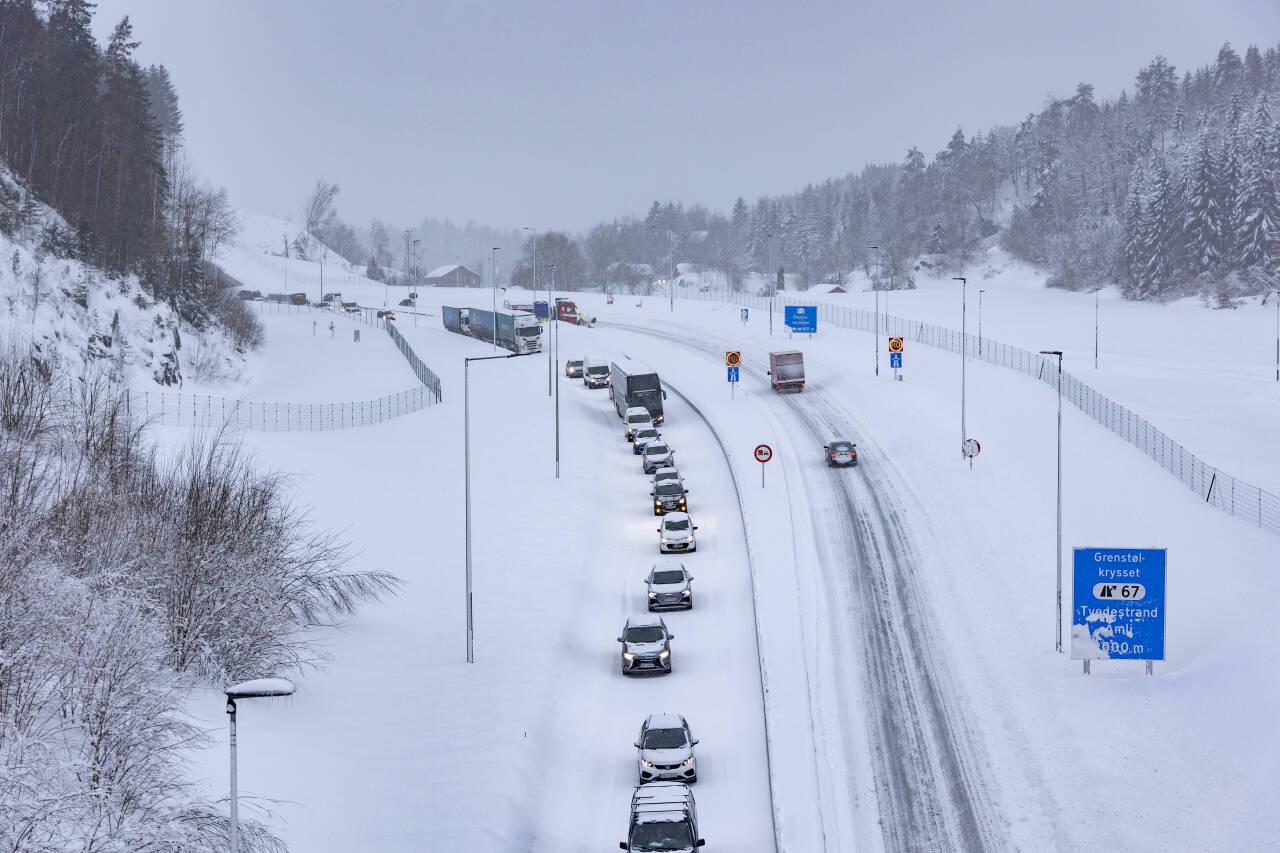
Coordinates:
(801,318)
(744,315)
(733,374)
(895,360)
(1117,608)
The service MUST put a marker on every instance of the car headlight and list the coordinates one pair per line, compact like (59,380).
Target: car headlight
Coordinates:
(688,761)
(628,656)
(686,592)
(646,763)
(682,503)
(665,539)
(664,654)
(653,595)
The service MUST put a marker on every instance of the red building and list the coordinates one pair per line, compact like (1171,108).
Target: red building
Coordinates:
(452,275)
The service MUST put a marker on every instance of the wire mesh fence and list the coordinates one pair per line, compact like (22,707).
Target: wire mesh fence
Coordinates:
(1230,494)
(169,408)
(424,373)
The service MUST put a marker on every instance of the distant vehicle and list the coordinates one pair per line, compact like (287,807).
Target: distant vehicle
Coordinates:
(641,437)
(573,368)
(331,297)
(664,750)
(386,313)
(786,371)
(656,455)
(670,587)
(406,303)
(635,418)
(519,332)
(413,295)
(248,295)
(347,307)
(298,298)
(840,453)
(646,645)
(595,372)
(482,325)
(634,384)
(566,311)
(663,817)
(669,496)
(675,534)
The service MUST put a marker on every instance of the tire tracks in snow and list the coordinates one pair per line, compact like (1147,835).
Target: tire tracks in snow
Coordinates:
(927,762)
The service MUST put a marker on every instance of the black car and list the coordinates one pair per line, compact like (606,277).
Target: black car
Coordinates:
(669,496)
(406,303)
(841,453)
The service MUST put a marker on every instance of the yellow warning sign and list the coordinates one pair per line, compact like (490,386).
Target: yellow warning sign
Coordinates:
(895,344)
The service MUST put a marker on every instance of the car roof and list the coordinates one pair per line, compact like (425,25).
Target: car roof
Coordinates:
(667,469)
(631,409)
(658,446)
(645,620)
(664,720)
(675,516)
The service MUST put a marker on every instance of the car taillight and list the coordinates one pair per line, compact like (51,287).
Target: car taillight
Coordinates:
(833,456)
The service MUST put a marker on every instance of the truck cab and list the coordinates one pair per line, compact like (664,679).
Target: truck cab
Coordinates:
(786,371)
(663,817)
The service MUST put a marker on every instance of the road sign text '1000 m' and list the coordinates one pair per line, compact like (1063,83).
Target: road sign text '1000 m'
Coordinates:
(1117,610)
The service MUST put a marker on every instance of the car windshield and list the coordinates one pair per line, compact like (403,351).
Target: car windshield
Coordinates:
(665,475)
(668,577)
(645,634)
(575,363)
(664,739)
(598,370)
(670,489)
(841,447)
(656,450)
(638,418)
(646,433)
(678,524)
(661,836)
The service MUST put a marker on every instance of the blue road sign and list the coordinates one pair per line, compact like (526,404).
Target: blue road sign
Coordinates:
(801,318)
(1117,608)
(895,359)
(733,374)
(744,315)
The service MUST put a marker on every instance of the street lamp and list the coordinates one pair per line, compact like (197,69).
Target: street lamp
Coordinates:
(1058,353)
(1096,307)
(417,265)
(773,284)
(495,296)
(552,267)
(1276,293)
(876,287)
(964,357)
(254,689)
(534,231)
(466,467)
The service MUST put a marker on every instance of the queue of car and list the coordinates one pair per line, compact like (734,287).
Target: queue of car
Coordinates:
(663,814)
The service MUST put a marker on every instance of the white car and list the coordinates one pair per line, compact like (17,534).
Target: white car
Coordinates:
(636,417)
(657,455)
(642,437)
(670,587)
(675,534)
(664,749)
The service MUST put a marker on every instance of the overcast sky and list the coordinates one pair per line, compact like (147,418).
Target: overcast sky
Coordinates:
(559,114)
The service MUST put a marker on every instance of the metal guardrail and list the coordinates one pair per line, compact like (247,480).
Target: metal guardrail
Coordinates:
(168,408)
(1230,494)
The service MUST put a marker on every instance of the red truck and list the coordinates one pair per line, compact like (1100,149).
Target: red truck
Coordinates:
(786,370)
(566,311)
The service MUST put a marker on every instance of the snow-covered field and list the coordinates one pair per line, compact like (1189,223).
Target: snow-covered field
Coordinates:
(401,745)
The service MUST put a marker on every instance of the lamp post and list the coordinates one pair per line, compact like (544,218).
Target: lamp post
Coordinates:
(254,689)
(980,292)
(1058,635)
(466,467)
(495,296)
(534,232)
(1096,308)
(1276,293)
(322,254)
(552,267)
(773,283)
(876,287)
(417,267)
(964,356)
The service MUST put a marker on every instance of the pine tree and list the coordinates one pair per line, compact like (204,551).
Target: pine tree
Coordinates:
(1256,218)
(1204,225)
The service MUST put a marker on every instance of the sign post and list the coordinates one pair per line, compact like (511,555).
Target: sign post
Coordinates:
(801,318)
(744,316)
(1117,604)
(895,357)
(733,358)
(763,454)
(969,449)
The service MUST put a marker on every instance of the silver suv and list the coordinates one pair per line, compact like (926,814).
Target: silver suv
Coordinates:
(636,417)
(646,645)
(669,587)
(675,534)
(665,750)
(657,455)
(642,437)
(573,368)
(664,474)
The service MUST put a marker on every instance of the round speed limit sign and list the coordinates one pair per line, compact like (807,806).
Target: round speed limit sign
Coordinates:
(764,453)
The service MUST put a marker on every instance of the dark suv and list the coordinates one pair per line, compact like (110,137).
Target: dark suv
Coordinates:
(646,645)
(670,496)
